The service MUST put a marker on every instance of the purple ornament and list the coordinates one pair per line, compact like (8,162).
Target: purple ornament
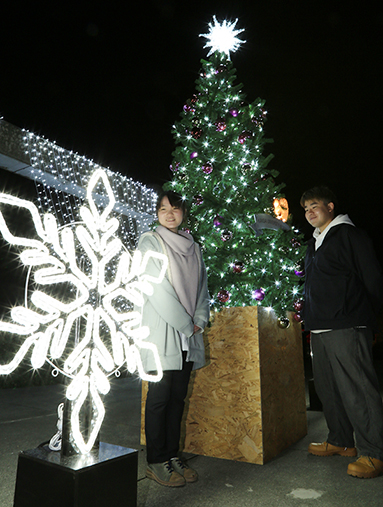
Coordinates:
(217,221)
(259,294)
(194,154)
(198,199)
(234,112)
(299,273)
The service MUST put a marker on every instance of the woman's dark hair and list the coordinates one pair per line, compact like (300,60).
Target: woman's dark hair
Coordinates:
(321,193)
(175,200)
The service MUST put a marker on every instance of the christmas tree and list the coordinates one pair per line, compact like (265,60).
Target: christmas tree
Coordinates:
(253,255)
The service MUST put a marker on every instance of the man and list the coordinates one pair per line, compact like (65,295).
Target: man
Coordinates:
(343,293)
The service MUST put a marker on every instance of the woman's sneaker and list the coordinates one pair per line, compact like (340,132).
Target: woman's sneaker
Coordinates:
(164,474)
(188,473)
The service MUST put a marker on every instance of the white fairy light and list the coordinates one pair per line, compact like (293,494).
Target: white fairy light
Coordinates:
(49,323)
(222,37)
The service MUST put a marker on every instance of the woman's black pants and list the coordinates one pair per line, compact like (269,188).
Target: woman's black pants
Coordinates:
(163,413)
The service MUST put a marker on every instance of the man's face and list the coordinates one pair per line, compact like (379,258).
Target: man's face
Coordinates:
(319,214)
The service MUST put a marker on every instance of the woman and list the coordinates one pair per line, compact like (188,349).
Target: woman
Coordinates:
(176,314)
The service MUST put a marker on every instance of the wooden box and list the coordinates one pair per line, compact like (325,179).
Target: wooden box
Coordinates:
(248,403)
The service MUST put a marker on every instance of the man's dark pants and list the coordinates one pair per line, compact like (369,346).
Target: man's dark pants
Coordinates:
(347,385)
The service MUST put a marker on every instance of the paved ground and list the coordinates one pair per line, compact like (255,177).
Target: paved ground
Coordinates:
(294,478)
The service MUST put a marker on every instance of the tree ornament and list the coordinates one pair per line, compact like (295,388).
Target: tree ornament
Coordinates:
(238,267)
(246,168)
(182,177)
(220,124)
(299,270)
(217,221)
(174,167)
(194,99)
(295,243)
(207,168)
(297,317)
(226,235)
(283,322)
(258,294)
(198,200)
(196,132)
(193,154)
(233,112)
(221,68)
(188,108)
(223,296)
(246,134)
(298,305)
(281,208)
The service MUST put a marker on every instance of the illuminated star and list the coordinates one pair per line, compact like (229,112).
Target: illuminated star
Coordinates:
(222,37)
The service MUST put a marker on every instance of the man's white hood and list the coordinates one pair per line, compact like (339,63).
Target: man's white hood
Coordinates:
(319,236)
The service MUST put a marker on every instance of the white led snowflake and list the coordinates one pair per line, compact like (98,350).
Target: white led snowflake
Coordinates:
(222,37)
(96,328)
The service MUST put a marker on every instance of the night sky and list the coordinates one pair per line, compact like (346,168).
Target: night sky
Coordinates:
(108,82)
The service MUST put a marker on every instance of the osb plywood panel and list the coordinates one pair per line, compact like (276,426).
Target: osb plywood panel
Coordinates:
(284,419)
(248,403)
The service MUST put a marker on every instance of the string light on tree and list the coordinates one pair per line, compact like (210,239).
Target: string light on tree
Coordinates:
(240,212)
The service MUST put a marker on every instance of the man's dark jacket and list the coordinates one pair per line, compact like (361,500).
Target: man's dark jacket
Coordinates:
(343,281)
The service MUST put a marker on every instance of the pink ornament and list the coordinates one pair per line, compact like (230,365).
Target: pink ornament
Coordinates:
(220,124)
(194,154)
(258,294)
(223,296)
(188,108)
(174,168)
(297,317)
(220,69)
(298,305)
(246,134)
(207,168)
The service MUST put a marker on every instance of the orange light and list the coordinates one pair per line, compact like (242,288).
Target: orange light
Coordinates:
(281,209)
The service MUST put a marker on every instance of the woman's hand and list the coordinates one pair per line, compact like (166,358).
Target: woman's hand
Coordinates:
(196,329)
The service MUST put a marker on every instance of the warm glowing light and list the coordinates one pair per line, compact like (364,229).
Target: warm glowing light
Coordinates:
(281,209)
(222,37)
(102,333)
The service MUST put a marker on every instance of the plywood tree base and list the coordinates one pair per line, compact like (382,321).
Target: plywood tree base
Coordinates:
(248,403)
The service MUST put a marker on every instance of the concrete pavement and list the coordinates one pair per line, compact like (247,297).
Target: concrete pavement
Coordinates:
(293,478)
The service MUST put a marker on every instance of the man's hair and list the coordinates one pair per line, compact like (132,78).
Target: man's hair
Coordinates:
(320,193)
(174,199)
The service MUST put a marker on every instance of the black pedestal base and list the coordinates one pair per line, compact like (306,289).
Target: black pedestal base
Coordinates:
(106,476)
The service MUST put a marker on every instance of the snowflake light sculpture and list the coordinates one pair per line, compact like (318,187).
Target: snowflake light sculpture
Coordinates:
(222,37)
(97,329)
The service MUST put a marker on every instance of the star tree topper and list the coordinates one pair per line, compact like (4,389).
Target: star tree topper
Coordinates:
(222,37)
